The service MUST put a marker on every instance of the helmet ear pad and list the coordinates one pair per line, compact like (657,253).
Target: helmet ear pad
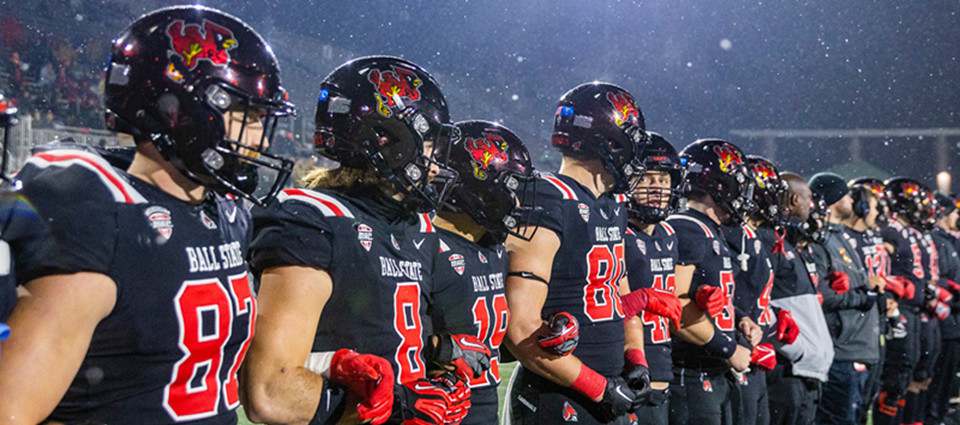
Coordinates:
(861,204)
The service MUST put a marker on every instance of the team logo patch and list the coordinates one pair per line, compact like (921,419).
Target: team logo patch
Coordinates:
(584,211)
(742,380)
(569,413)
(756,246)
(207,41)
(707,386)
(392,86)
(393,241)
(633,419)
(492,148)
(365,236)
(728,156)
(642,246)
(207,221)
(457,262)
(160,220)
(483,258)
(624,107)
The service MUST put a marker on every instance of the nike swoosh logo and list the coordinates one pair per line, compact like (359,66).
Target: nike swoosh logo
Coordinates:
(464,341)
(421,387)
(418,243)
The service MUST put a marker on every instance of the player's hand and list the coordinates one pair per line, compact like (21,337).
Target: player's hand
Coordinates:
(560,335)
(457,397)
(419,403)
(469,356)
(369,378)
(751,330)
(636,373)
(787,328)
(663,304)
(710,299)
(839,282)
(888,404)
(944,295)
(617,399)
(763,356)
(941,310)
(900,286)
(876,283)
(740,360)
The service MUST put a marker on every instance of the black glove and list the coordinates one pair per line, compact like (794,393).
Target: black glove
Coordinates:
(638,379)
(617,400)
(420,402)
(466,353)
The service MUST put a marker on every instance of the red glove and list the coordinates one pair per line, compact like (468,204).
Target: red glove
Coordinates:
(944,295)
(469,355)
(710,299)
(420,402)
(457,397)
(787,329)
(764,356)
(900,286)
(560,335)
(368,377)
(941,310)
(839,282)
(663,304)
(954,286)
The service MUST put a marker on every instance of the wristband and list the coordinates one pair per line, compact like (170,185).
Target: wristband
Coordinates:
(720,345)
(319,363)
(589,383)
(635,356)
(331,406)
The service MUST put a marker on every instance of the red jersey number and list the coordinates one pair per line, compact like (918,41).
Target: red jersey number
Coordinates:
(601,295)
(491,332)
(195,387)
(763,303)
(406,322)
(726,318)
(658,327)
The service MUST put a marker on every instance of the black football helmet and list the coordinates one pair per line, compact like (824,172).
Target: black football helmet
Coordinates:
(377,112)
(770,191)
(602,121)
(646,203)
(175,72)
(492,166)
(876,188)
(906,198)
(716,167)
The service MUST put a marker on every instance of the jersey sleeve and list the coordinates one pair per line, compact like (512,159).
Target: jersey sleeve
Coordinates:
(292,232)
(692,244)
(26,235)
(78,195)
(546,202)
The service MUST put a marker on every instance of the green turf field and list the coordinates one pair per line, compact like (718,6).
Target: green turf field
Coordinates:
(505,371)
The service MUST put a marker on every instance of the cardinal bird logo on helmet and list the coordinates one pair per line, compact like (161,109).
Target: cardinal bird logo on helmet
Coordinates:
(207,41)
(729,157)
(393,85)
(910,189)
(484,151)
(763,174)
(624,107)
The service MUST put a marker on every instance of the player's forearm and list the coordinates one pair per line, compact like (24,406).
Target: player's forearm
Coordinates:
(695,325)
(632,333)
(522,342)
(281,395)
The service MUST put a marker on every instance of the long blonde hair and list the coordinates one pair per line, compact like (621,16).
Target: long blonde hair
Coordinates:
(345,178)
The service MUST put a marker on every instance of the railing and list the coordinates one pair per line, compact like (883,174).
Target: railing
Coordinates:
(24,136)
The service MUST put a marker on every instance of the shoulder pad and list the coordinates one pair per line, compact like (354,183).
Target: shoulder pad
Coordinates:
(677,219)
(667,228)
(80,168)
(566,192)
(327,204)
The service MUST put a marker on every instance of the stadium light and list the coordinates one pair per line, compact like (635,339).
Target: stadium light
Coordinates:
(943,182)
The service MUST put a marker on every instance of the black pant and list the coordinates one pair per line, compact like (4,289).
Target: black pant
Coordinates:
(655,411)
(900,360)
(871,387)
(699,397)
(793,400)
(749,404)
(535,400)
(944,385)
(841,395)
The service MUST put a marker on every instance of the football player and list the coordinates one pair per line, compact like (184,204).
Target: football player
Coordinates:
(482,208)
(573,263)
(903,242)
(357,245)
(758,246)
(144,312)
(943,384)
(720,191)
(651,253)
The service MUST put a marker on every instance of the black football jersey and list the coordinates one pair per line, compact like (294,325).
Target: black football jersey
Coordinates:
(380,267)
(184,314)
(930,257)
(23,237)
(753,273)
(650,264)
(701,243)
(588,266)
(907,258)
(875,257)
(468,298)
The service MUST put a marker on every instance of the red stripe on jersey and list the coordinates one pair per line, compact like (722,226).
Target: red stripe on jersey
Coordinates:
(668,228)
(334,208)
(567,191)
(749,231)
(621,198)
(100,169)
(426,225)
